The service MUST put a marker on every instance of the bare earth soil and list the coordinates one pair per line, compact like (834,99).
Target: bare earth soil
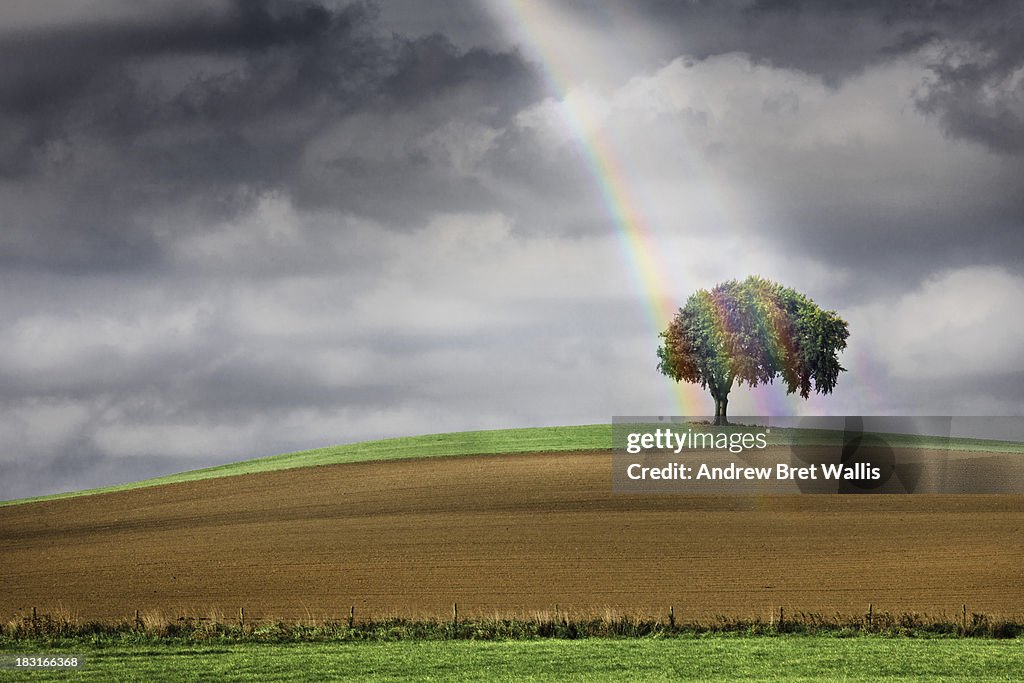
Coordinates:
(514,534)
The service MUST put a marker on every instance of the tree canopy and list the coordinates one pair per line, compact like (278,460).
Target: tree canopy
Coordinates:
(752,332)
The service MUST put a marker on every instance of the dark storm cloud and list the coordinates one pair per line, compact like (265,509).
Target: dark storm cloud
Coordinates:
(107,125)
(976,89)
(890,215)
(894,211)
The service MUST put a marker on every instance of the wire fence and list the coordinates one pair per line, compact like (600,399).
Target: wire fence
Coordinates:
(555,623)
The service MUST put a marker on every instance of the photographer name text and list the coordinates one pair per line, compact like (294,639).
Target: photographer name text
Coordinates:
(780,472)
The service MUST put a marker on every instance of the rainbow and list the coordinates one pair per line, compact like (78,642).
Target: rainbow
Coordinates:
(637,241)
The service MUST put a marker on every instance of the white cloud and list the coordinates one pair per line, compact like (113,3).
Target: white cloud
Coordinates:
(52,343)
(728,146)
(959,323)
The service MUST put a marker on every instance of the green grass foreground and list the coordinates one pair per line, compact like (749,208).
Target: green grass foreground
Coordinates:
(709,658)
(491,442)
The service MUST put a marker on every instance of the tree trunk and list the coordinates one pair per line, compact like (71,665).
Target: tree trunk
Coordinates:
(721,406)
(720,392)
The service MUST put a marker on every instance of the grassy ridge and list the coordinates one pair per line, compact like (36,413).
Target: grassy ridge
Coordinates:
(713,658)
(535,439)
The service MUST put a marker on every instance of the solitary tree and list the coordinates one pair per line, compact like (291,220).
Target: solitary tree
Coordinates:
(753,331)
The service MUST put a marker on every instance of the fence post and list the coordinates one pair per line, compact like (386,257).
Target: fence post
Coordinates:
(782,617)
(455,613)
(241,617)
(138,621)
(963,609)
(351,615)
(871,614)
(35,622)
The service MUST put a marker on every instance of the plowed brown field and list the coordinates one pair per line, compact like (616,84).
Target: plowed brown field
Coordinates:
(511,534)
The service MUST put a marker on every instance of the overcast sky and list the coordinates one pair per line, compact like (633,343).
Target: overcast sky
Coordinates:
(239,228)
